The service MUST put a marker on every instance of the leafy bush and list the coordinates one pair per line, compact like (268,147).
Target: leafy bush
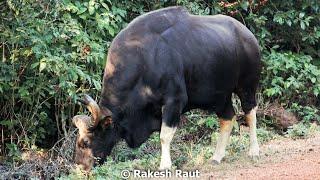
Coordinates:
(302,130)
(52,52)
(308,113)
(293,80)
(288,75)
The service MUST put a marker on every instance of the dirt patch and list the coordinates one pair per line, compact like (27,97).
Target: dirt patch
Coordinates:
(280,159)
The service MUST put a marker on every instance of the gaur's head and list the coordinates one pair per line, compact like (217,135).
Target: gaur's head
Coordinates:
(96,136)
(99,132)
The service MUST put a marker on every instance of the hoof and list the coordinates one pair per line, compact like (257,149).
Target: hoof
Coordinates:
(215,162)
(255,158)
(254,152)
(163,168)
(217,158)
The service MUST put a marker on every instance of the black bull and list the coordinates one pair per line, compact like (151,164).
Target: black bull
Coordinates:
(161,65)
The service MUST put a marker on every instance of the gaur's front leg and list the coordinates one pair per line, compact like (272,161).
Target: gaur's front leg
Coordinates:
(226,116)
(225,131)
(170,118)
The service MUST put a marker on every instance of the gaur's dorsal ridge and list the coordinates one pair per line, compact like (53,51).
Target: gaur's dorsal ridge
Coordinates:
(162,19)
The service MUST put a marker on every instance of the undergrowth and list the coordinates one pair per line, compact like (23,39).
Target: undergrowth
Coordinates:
(190,149)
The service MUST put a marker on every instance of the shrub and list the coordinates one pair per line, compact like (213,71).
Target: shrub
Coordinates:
(302,130)
(52,51)
(292,80)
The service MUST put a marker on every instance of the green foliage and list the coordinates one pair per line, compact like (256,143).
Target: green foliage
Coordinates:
(302,130)
(14,153)
(52,52)
(307,113)
(293,80)
(111,170)
(291,77)
(240,139)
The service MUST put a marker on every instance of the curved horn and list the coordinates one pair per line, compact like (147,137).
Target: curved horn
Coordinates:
(94,108)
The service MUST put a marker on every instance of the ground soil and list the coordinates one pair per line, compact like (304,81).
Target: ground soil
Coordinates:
(282,158)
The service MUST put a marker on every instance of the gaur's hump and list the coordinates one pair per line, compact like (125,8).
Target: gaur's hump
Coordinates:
(159,20)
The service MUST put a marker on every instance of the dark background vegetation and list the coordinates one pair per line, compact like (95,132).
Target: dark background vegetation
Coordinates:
(52,51)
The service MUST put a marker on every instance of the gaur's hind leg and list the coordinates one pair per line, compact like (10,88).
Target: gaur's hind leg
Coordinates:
(226,118)
(249,106)
(251,119)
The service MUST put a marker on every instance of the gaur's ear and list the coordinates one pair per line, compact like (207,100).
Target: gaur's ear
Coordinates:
(106,118)
(106,121)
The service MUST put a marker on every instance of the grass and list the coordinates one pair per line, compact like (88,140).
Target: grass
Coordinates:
(302,130)
(192,147)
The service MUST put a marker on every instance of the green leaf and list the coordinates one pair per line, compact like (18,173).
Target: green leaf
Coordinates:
(301,15)
(105,6)
(43,65)
(302,25)
(244,5)
(289,22)
(81,10)
(91,7)
(34,65)
(111,31)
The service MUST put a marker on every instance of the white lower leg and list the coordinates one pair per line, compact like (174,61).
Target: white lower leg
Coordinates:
(166,136)
(251,119)
(225,131)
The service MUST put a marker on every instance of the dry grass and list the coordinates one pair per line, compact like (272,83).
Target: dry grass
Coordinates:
(282,117)
(43,164)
